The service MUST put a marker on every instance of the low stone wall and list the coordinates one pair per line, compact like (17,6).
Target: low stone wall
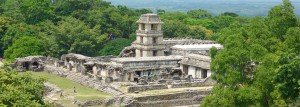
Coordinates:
(92,103)
(206,82)
(140,88)
(56,70)
(182,95)
(167,103)
(117,101)
(168,100)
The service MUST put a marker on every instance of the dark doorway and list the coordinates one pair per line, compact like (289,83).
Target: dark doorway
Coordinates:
(89,69)
(26,65)
(35,64)
(185,69)
(176,72)
(155,53)
(149,73)
(204,74)
(137,75)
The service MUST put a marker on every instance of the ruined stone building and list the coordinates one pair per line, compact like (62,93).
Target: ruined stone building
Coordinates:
(150,57)
(33,63)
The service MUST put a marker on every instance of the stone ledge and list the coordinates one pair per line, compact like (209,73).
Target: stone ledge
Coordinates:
(140,88)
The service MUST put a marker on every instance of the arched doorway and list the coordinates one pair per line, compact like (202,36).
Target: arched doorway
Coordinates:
(26,65)
(35,64)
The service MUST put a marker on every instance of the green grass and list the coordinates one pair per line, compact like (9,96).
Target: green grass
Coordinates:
(83,93)
(123,88)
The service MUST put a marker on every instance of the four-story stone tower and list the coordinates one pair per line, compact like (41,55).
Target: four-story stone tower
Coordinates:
(149,36)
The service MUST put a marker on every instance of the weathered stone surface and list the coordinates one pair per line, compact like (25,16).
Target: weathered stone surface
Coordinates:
(168,100)
(141,88)
(127,52)
(206,82)
(84,80)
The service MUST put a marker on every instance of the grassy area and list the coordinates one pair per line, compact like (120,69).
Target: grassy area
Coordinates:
(83,93)
(123,88)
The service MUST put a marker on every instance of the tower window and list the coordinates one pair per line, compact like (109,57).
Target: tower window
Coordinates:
(154,40)
(142,26)
(153,26)
(142,39)
(204,74)
(155,53)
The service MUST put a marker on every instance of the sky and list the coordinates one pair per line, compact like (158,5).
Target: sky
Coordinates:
(241,7)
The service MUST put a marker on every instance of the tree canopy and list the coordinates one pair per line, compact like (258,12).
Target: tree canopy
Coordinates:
(88,26)
(20,90)
(25,46)
(259,65)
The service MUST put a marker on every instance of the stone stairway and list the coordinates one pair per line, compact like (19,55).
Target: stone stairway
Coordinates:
(93,83)
(127,100)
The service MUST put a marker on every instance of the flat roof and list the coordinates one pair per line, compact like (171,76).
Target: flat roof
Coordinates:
(199,57)
(197,46)
(144,59)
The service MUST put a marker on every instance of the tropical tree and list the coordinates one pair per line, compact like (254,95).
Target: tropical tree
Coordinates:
(19,90)
(16,31)
(71,36)
(25,46)
(199,13)
(36,11)
(281,18)
(256,67)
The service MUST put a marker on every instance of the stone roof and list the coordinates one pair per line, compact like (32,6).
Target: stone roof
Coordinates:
(77,56)
(180,41)
(150,18)
(103,60)
(199,57)
(197,47)
(144,59)
(31,58)
(196,60)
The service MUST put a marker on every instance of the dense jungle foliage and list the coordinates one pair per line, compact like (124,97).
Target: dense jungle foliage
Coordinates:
(90,27)
(260,63)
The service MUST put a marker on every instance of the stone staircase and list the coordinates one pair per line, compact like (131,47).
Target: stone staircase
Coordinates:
(93,83)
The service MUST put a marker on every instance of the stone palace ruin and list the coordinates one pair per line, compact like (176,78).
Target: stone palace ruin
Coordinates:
(150,63)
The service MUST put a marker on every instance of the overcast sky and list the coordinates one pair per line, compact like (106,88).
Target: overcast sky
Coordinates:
(242,7)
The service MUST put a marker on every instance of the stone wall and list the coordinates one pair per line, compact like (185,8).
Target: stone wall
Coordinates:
(167,100)
(92,103)
(206,82)
(186,52)
(140,88)
(169,103)
(181,95)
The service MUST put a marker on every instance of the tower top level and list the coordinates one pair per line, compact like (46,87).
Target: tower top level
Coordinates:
(150,18)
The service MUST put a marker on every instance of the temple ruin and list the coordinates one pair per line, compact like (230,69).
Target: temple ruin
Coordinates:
(153,62)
